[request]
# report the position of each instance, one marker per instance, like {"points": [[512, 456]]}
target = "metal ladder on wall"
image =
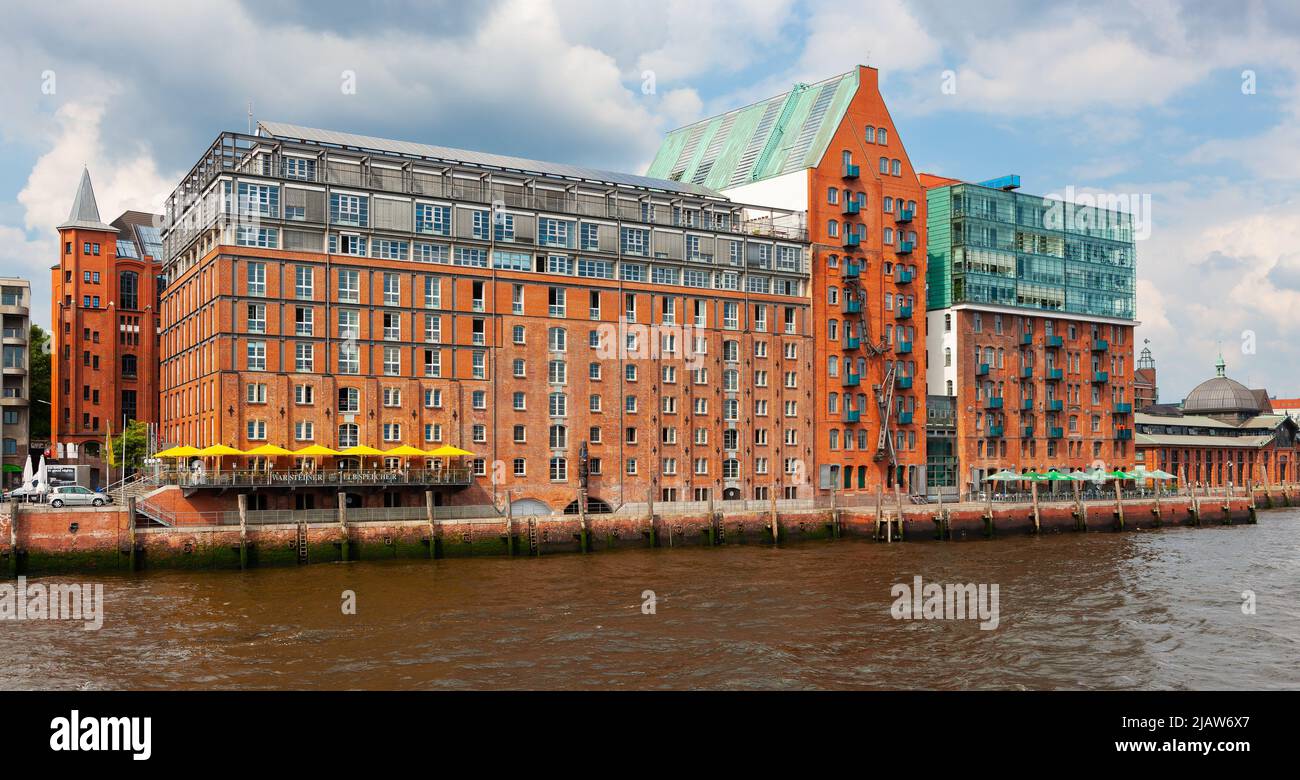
{"points": [[302, 543], [532, 536]]}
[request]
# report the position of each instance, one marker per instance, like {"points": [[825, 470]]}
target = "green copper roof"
{"points": [[779, 135]]}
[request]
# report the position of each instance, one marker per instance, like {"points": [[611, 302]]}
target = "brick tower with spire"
{"points": [[104, 367]]}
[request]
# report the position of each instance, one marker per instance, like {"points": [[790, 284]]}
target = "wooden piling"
{"points": [[343, 523], [1119, 508], [428, 517], [243, 529]]}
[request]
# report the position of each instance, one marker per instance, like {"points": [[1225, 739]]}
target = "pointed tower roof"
{"points": [[85, 212]]}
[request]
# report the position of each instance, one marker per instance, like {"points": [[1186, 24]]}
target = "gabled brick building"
{"points": [[104, 363], [832, 149]]}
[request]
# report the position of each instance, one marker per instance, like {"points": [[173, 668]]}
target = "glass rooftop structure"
{"points": [[999, 247], [776, 136]]}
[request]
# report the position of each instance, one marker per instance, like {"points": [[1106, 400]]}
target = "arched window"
{"points": [[128, 290], [870, 135], [882, 135]]}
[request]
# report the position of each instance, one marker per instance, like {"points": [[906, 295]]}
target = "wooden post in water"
{"points": [[776, 519], [243, 529], [835, 516], [428, 517], [944, 533], [583, 534], [1033, 493], [1119, 508], [650, 513], [343, 522], [898, 500], [879, 507], [130, 535], [13, 537]]}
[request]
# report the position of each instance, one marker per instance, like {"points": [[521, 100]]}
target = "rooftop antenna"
{"points": [[250, 117]]}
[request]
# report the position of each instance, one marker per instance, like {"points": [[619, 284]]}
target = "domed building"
{"points": [[1223, 433], [1223, 398]]}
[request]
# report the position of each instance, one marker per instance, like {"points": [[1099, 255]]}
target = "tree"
{"points": [[38, 348], [136, 436]]}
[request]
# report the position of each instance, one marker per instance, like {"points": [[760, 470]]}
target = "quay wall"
{"points": [[45, 540]]}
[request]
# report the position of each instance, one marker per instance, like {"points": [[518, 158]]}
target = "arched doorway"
{"points": [[528, 507], [595, 506]]}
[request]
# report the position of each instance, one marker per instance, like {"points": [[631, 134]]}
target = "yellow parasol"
{"points": [[315, 451], [269, 451], [181, 451], [219, 451], [448, 451]]}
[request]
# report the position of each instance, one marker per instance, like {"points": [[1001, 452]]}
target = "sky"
{"points": [[1190, 109]]}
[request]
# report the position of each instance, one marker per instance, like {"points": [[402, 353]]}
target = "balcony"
{"points": [[1027, 372], [1055, 405], [993, 402], [1100, 377], [905, 215], [1027, 405], [906, 247], [1027, 432], [853, 307], [1055, 374], [851, 207], [994, 432], [852, 342], [1124, 434], [904, 313], [1026, 339], [850, 270], [982, 369], [1100, 345], [904, 276], [1055, 342], [903, 382], [852, 415], [904, 418], [851, 240], [1123, 408], [852, 380], [903, 347], [1056, 433], [850, 171]]}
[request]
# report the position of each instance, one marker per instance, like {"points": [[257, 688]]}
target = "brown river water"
{"points": [[1147, 610]]}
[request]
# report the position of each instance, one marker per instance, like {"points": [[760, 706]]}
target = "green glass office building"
{"points": [[991, 245]]}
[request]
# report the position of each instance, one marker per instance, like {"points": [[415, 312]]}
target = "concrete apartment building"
{"points": [[832, 150], [1031, 307], [15, 381], [104, 366], [632, 337]]}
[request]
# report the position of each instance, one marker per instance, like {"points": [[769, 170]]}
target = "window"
{"points": [[349, 400], [559, 470], [304, 395], [349, 209], [304, 357], [256, 356], [433, 219], [349, 286], [256, 321], [556, 301], [257, 279], [303, 282], [349, 435]]}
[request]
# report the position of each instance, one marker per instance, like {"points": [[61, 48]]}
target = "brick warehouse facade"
{"points": [[651, 337], [104, 365], [1031, 330], [831, 149]]}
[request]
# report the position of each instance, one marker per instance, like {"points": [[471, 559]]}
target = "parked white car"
{"points": [[76, 495]]}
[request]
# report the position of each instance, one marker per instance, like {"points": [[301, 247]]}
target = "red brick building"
{"points": [[104, 366], [1223, 433], [1030, 309], [832, 149], [574, 329]]}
